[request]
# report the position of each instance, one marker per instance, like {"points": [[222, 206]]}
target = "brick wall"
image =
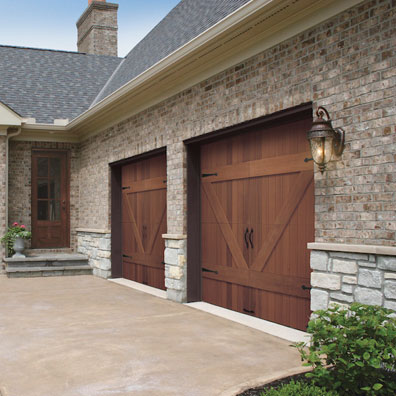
{"points": [[97, 30], [3, 220], [346, 64], [20, 194]]}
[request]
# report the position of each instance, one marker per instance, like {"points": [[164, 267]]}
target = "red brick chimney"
{"points": [[97, 29]]}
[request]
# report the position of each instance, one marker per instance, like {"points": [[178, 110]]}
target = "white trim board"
{"points": [[277, 330], [138, 286]]}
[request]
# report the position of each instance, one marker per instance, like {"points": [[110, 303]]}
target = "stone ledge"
{"points": [[174, 236], [93, 230], [340, 247]]}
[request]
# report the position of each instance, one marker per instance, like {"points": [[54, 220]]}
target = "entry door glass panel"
{"points": [[50, 202]]}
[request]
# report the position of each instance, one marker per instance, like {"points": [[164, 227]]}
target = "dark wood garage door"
{"points": [[144, 221], [257, 215]]}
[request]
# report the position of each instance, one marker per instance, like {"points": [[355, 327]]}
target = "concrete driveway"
{"points": [[71, 336]]}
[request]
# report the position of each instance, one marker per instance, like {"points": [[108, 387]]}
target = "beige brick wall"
{"points": [[3, 220], [97, 30], [20, 164], [346, 64]]}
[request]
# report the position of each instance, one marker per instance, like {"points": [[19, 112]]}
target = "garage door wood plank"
{"points": [[156, 183], [258, 168], [155, 233], [136, 232], [295, 196], [224, 225], [289, 285]]}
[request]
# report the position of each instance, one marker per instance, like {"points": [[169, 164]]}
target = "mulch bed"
{"points": [[286, 380], [274, 384]]}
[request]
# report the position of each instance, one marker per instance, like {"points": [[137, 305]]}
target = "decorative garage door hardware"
{"points": [[125, 255], [308, 159], [248, 311], [209, 270], [250, 236], [208, 174], [306, 287], [126, 188]]}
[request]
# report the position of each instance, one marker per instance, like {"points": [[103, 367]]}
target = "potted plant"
{"points": [[14, 239]]}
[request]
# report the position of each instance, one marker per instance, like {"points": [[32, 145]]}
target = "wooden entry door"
{"points": [[257, 215], [144, 221], [50, 199]]}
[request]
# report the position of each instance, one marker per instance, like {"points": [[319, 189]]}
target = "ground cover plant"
{"points": [[353, 350], [298, 388]]}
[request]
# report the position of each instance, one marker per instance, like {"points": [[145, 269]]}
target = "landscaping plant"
{"points": [[353, 350], [298, 388], [16, 230]]}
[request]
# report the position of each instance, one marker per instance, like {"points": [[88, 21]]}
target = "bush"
{"points": [[298, 388], [353, 350]]}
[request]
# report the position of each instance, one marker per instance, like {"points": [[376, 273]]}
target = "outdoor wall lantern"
{"points": [[325, 141]]}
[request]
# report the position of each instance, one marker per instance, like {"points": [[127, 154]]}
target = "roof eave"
{"points": [[235, 22]]}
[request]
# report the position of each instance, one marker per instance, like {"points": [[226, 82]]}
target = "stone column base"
{"points": [[96, 244], [352, 273], [176, 267]]}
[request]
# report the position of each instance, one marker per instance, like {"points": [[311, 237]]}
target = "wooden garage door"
{"points": [[144, 221], [257, 215]]}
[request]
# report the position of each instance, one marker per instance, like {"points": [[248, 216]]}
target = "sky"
{"points": [[51, 24]]}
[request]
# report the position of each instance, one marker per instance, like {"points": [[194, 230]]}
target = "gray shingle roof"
{"points": [[185, 22], [47, 84]]}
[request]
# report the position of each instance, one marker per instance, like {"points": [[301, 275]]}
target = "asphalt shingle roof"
{"points": [[47, 84], [185, 22]]}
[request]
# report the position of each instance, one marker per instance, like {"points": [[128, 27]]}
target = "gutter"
{"points": [[222, 26]]}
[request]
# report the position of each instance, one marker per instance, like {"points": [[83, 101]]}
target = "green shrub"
{"points": [[298, 388], [353, 351]]}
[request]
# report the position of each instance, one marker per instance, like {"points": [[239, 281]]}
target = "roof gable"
{"points": [[49, 85], [185, 22]]}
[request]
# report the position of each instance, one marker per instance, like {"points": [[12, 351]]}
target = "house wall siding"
{"points": [[97, 32], [3, 197], [20, 175], [346, 64]]}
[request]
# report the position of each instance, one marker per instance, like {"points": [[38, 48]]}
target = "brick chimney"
{"points": [[97, 29]]}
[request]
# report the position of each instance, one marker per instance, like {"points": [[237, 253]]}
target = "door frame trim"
{"points": [[67, 177], [116, 210], [194, 276]]}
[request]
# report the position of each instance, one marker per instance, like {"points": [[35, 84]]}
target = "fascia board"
{"points": [[235, 18]]}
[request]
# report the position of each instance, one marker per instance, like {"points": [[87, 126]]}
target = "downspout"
{"points": [[9, 136]]}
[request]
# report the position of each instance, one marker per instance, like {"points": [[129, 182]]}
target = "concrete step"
{"points": [[47, 260], [30, 272], [37, 252], [47, 264]]}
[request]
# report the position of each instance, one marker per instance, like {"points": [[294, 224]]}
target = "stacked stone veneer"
{"points": [[97, 246], [175, 267], [343, 278]]}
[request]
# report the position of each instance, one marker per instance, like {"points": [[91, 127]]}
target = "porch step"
{"points": [[48, 264]]}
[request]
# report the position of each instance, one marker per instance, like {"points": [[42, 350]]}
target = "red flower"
{"points": [[15, 224], [22, 226]]}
